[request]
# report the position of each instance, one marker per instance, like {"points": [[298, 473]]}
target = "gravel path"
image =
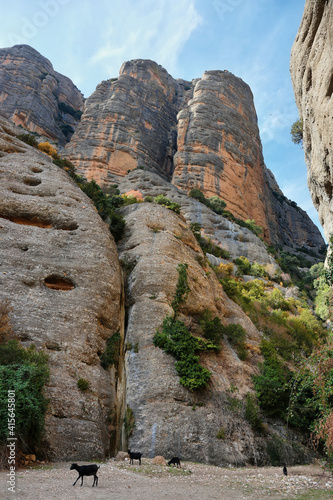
{"points": [[120, 481]]}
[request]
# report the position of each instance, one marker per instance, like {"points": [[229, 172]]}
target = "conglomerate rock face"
{"points": [[61, 276], [169, 419], [129, 121], [238, 241], [218, 146], [35, 96], [202, 134], [312, 75]]}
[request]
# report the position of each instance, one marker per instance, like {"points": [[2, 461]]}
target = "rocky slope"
{"points": [[212, 144], [312, 75], [60, 273], [35, 96], [237, 240], [155, 242], [169, 419]]}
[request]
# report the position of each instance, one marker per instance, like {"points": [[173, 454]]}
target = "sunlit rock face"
{"points": [[61, 276], [219, 149], [36, 97], [129, 121], [312, 75], [201, 134]]}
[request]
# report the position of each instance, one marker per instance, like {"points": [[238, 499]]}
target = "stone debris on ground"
{"points": [[150, 481]]}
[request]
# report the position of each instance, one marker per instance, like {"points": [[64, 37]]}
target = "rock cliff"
{"points": [[60, 273], [202, 134], [312, 76], [170, 420], [35, 96], [129, 121], [237, 240]]}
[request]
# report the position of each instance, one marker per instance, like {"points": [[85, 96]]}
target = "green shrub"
{"points": [[252, 412], [28, 139], [129, 422], [149, 199], [236, 336], [182, 288], [275, 451], [106, 204], [165, 202], [208, 247], [272, 384], [212, 327], [110, 356], [26, 372], [65, 108], [252, 226], [258, 270], [175, 339], [221, 433], [243, 265], [216, 204], [198, 195], [83, 384], [106, 207]]}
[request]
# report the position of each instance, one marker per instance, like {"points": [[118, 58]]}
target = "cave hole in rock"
{"points": [[32, 220], [58, 282], [26, 220], [31, 181]]}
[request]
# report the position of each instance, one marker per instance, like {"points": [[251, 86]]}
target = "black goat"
{"points": [[134, 456], [174, 461], [285, 472], [86, 470]]}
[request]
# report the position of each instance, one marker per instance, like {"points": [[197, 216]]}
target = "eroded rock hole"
{"points": [[27, 221], [36, 170], [31, 220], [31, 181], [58, 282]]}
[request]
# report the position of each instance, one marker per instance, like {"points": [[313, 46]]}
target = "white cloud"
{"points": [[148, 30]]}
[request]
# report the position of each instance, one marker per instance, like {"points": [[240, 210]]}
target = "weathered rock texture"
{"points": [[35, 96], [219, 148], [129, 121], [237, 240], [215, 146], [156, 241], [219, 151], [312, 76], [169, 419], [60, 273]]}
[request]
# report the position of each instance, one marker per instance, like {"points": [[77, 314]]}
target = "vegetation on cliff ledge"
{"points": [[175, 338], [23, 374]]}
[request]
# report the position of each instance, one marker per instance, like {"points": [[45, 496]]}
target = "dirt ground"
{"points": [[122, 481]]}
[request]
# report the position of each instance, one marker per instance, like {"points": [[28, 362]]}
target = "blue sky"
{"points": [[88, 40]]}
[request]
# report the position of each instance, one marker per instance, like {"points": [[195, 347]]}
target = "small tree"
{"points": [[296, 131]]}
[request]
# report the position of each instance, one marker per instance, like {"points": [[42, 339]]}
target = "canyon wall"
{"points": [[61, 276], [312, 76], [201, 134], [128, 122]]}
